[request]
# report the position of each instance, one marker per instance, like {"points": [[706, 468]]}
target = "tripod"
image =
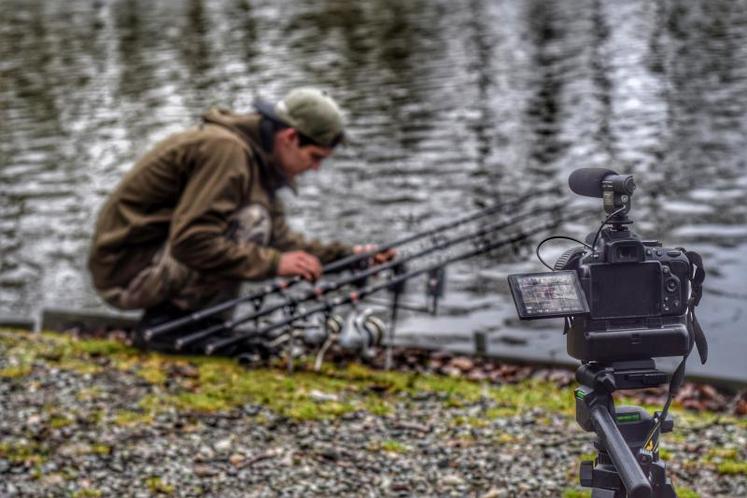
{"points": [[627, 444]]}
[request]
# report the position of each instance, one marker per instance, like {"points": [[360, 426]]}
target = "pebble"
{"points": [[321, 397], [452, 480], [223, 446], [205, 453], [202, 470], [462, 363]]}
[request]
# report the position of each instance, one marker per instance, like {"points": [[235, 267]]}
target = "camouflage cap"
{"points": [[310, 111]]}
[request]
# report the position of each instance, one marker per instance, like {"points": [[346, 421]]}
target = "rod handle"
{"points": [[632, 475]]}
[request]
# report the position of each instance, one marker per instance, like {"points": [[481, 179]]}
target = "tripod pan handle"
{"points": [[627, 467]]}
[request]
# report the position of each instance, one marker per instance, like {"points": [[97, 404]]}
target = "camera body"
{"points": [[637, 293], [624, 299]]}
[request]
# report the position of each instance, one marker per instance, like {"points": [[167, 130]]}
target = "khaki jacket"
{"points": [[183, 193]]}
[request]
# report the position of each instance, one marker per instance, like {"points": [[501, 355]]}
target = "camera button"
{"points": [[658, 252], [673, 254], [671, 285]]}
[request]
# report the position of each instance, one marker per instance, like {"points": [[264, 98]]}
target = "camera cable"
{"points": [[606, 220], [537, 250]]}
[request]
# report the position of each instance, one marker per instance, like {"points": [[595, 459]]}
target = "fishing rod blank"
{"points": [[320, 290], [154, 332], [354, 258], [360, 294]]}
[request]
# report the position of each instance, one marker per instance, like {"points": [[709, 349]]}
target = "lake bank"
{"points": [[96, 418]]}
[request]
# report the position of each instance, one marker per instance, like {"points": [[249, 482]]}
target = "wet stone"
{"points": [[223, 445]]}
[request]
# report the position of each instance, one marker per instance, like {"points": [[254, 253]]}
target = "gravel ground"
{"points": [[78, 424]]}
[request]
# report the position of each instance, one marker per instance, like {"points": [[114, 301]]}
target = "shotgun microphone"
{"points": [[588, 181]]}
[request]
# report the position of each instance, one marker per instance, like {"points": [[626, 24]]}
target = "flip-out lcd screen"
{"points": [[547, 295]]}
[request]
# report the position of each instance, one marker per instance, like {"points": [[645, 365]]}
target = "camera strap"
{"points": [[697, 276]]}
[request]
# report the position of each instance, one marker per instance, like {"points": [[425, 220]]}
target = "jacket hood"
{"points": [[248, 129]]}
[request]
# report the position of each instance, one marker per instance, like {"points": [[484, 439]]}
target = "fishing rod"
{"points": [[281, 285], [356, 296], [325, 288], [354, 258]]}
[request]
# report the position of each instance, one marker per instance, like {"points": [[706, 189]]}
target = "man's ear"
{"points": [[288, 136]]}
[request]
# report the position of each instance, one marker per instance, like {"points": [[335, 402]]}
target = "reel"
{"points": [[322, 328], [362, 332]]}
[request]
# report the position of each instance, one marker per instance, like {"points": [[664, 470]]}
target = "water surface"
{"points": [[449, 105]]}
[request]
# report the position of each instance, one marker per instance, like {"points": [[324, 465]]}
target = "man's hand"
{"points": [[379, 257], [299, 263]]}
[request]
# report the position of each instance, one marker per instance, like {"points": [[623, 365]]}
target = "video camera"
{"points": [[624, 298], [625, 301]]}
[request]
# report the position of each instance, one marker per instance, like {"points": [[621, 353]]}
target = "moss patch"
{"points": [[22, 452], [686, 493], [206, 384], [585, 493], [87, 493], [15, 371], [722, 453], [156, 485], [125, 418], [732, 467], [576, 493], [389, 446]]}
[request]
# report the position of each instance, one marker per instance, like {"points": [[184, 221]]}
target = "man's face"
{"points": [[294, 159]]}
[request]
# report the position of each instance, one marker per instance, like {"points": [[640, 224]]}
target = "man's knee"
{"points": [[157, 283]]}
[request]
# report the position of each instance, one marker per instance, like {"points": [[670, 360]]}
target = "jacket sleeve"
{"points": [[214, 191], [284, 239]]}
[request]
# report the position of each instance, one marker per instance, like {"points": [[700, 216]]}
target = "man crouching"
{"points": [[199, 213]]}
